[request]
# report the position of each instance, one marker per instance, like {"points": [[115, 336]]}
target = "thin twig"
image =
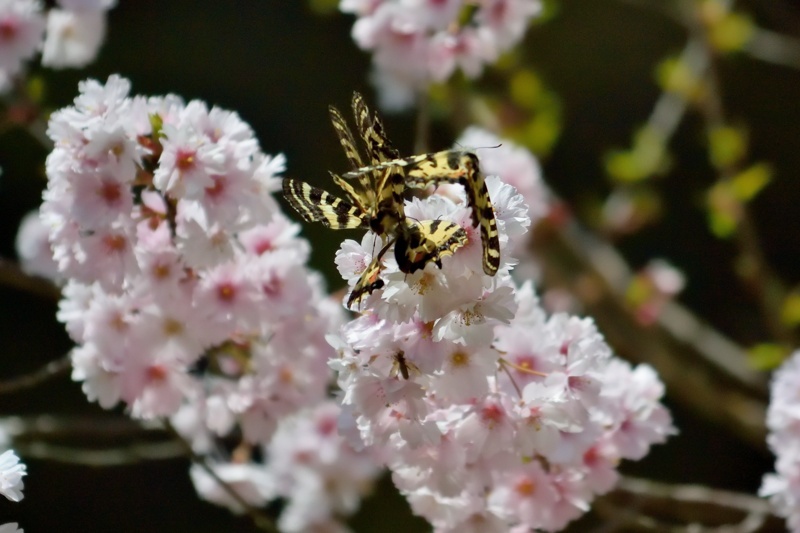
{"points": [[636, 502], [700, 367], [11, 275], [765, 45], [49, 371], [670, 108], [107, 457], [686, 493], [774, 47], [40, 436], [261, 520], [769, 291], [504, 366]]}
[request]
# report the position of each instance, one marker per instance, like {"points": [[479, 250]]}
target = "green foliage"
{"points": [[766, 356], [675, 76], [724, 210], [646, 158], [323, 7], [35, 89], [790, 310], [727, 146], [538, 110], [731, 32], [748, 183]]}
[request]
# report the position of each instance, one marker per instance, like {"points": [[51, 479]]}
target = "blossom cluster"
{"points": [[310, 466], [489, 413], [187, 290], [69, 35], [11, 473], [783, 422], [418, 42]]}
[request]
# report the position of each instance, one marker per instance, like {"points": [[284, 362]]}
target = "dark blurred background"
{"points": [[279, 65]]}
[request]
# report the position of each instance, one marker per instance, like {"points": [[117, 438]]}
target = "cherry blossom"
{"points": [[68, 36], [783, 421], [188, 295], [503, 417], [11, 473], [419, 42]]}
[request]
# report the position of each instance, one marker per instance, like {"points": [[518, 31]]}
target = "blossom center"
{"points": [[226, 292], [110, 192], [162, 271], [156, 373], [263, 246], [218, 188], [327, 426], [114, 243], [172, 327], [185, 159], [492, 413], [525, 487], [459, 359], [286, 376], [8, 29]]}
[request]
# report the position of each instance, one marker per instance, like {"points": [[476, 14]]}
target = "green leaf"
{"points": [[790, 311], [731, 32], [766, 356], [748, 183], [525, 89], [727, 146]]}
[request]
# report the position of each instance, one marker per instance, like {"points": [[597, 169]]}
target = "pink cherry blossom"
{"points": [[418, 42], [783, 421]]}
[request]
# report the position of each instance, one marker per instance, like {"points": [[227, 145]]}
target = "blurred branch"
{"points": [[773, 47], [765, 45], [34, 438], [260, 520], [671, 107], [116, 441], [119, 456], [701, 368], [635, 503], [767, 287], [11, 275], [49, 371]]}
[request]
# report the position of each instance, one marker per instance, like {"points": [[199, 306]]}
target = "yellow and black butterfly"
{"points": [[451, 166], [375, 204]]}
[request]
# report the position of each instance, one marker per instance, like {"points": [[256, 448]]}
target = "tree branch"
{"points": [[49, 371], [759, 276], [647, 505], [261, 520], [11, 275], [701, 368]]}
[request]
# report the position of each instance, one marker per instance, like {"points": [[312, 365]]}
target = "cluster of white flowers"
{"points": [[187, 292], [309, 465], [11, 473], [188, 297], [68, 35], [490, 414], [783, 422], [417, 42], [11, 484]]}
